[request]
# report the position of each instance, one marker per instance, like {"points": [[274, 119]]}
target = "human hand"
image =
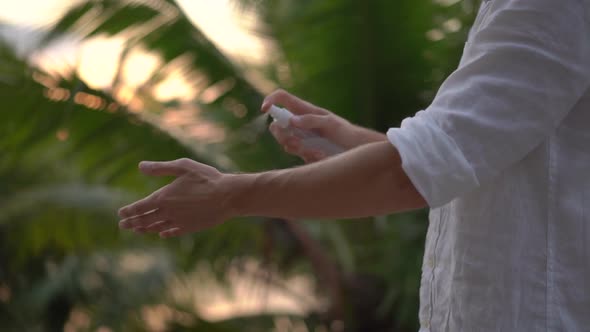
{"points": [[197, 199], [310, 118]]}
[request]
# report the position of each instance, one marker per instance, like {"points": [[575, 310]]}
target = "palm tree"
{"points": [[72, 162]]}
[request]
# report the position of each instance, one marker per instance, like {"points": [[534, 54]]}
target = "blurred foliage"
{"points": [[369, 61], [70, 154], [65, 170]]}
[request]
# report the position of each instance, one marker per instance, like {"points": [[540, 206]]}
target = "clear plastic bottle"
{"points": [[309, 139]]}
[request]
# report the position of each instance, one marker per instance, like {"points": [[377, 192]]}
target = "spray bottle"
{"points": [[309, 139]]}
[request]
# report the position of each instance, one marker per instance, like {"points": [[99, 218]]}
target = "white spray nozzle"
{"points": [[280, 115]]}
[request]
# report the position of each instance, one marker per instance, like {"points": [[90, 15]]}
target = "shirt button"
{"points": [[425, 325]]}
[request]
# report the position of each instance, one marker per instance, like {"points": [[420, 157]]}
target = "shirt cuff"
{"points": [[432, 160]]}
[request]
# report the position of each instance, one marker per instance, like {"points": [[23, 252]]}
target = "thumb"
{"points": [[311, 121], [162, 168]]}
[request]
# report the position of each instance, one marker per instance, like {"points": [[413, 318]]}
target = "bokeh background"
{"points": [[89, 88]]}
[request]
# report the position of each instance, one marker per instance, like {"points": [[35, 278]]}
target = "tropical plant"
{"points": [[69, 160]]}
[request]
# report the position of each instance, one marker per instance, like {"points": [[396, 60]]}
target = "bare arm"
{"points": [[365, 181]]}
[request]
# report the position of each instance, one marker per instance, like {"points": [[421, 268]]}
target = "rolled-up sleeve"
{"points": [[522, 72]]}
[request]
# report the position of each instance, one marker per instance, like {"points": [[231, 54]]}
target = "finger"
{"points": [[294, 104], [285, 138], [292, 151], [165, 168], [310, 159], [292, 143], [138, 208], [307, 159], [311, 121], [159, 226], [273, 128], [279, 133], [143, 220], [293, 146], [317, 154], [313, 156], [172, 232]]}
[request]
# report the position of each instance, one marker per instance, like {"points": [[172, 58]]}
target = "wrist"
{"points": [[238, 188]]}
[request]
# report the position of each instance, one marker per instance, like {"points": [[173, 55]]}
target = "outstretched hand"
{"points": [[197, 199]]}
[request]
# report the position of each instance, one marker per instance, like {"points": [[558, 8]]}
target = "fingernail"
{"points": [[263, 107]]}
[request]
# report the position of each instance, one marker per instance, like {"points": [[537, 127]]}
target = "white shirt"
{"points": [[502, 156]]}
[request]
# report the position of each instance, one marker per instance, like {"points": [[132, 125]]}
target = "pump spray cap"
{"points": [[280, 115]]}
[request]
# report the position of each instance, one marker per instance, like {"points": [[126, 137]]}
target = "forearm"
{"points": [[365, 181]]}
